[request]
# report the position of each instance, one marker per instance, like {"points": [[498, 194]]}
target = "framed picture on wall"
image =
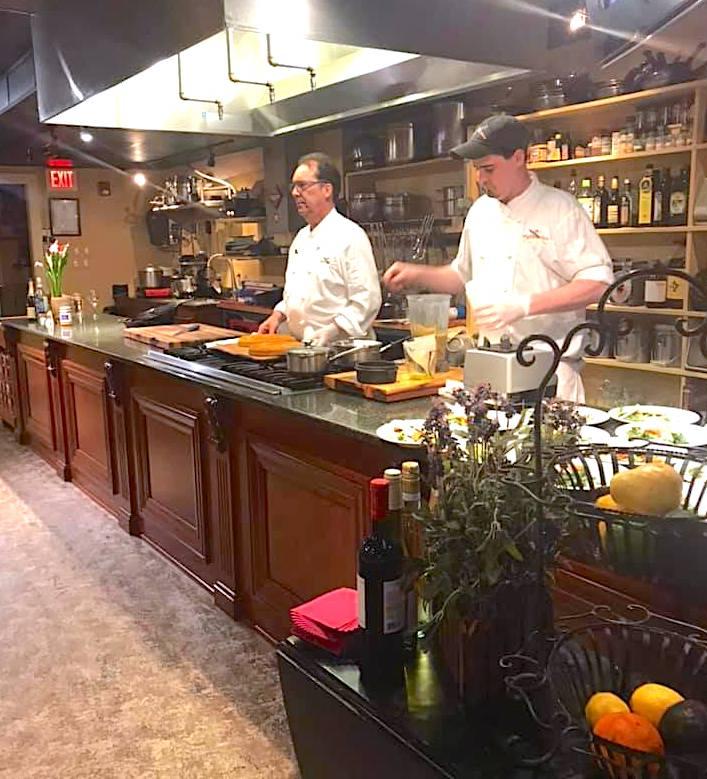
{"points": [[64, 216]]}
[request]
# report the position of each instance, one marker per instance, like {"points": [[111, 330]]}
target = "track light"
{"points": [[86, 136], [578, 20], [140, 179]]}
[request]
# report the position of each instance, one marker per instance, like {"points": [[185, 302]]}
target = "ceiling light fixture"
{"points": [[140, 179], [86, 136], [578, 20]]}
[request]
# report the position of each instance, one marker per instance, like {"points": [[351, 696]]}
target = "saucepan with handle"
{"points": [[312, 360]]}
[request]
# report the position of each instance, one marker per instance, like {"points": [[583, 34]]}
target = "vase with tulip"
{"points": [[56, 259]]}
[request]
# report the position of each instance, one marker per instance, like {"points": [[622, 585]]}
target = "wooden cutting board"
{"points": [[405, 388], [242, 351], [169, 336]]}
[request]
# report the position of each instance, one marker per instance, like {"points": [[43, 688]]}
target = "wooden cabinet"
{"points": [[303, 513], [40, 403], [183, 478], [8, 388]]}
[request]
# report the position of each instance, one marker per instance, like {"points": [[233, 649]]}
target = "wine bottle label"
{"points": [[625, 215], [393, 606], [645, 200], [621, 294], [678, 204], [411, 497], [361, 590], [612, 215], [676, 289]]}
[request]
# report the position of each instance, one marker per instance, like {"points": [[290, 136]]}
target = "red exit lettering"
{"points": [[62, 179]]}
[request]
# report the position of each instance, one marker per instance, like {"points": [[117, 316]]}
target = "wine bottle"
{"points": [[600, 203], [41, 303], [413, 549], [678, 198], [656, 290], [585, 198], [627, 208], [657, 217], [381, 605], [31, 310], [613, 206], [394, 478]]}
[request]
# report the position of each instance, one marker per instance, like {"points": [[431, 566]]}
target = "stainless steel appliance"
{"points": [[400, 143], [502, 371], [226, 371], [448, 124]]}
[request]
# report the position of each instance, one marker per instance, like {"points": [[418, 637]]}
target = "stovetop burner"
{"points": [[274, 374]]}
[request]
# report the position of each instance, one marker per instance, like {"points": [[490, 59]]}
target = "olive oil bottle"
{"points": [[645, 198]]}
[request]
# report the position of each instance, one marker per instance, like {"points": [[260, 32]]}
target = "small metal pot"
{"points": [[150, 277], [358, 349], [308, 360], [376, 372]]}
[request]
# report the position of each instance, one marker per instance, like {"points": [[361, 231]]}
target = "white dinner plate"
{"points": [[593, 435], [669, 435], [654, 414], [403, 432], [593, 416]]}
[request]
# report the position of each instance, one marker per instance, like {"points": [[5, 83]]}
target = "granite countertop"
{"points": [[350, 414]]}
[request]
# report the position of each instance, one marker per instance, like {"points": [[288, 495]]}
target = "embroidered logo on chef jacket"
{"points": [[536, 234]]}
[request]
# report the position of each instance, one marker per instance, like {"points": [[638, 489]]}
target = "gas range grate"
{"points": [[274, 373]]}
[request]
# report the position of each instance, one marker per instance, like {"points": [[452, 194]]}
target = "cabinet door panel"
{"points": [[88, 438], [306, 519], [171, 497], [36, 396]]}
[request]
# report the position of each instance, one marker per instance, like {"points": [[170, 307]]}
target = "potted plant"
{"points": [[489, 534], [56, 259]]}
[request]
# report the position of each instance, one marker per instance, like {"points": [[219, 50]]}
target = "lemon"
{"points": [[602, 703], [653, 700]]}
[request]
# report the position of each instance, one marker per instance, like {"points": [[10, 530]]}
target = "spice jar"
{"points": [[65, 315]]}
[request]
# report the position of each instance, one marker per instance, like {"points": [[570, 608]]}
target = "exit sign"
{"points": [[61, 178]]}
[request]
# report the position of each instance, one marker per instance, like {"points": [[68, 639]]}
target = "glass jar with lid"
{"points": [[632, 346], [666, 346]]}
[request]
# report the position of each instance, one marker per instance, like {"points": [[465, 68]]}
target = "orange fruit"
{"points": [[607, 503], [653, 700], [630, 730], [602, 703]]}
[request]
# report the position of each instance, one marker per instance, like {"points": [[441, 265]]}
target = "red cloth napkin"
{"points": [[327, 621]]}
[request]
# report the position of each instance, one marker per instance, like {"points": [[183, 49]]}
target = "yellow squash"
{"points": [[653, 488]]}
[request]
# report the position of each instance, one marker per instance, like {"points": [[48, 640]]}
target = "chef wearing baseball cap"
{"points": [[529, 256]]}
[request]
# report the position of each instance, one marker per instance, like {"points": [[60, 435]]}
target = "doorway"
{"points": [[15, 264]]}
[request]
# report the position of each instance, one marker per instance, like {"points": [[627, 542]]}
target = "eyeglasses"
{"points": [[303, 186]]}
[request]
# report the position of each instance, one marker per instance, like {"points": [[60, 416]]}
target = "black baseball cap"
{"points": [[499, 134]]}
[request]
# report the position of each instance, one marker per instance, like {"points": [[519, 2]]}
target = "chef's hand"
{"points": [[401, 275], [271, 324], [499, 315], [326, 335]]}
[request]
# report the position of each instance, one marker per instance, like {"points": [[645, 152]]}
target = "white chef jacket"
{"points": [[540, 240], [331, 276]]}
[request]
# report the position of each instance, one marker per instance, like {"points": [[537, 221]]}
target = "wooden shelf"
{"points": [[643, 230], [411, 167], [610, 102], [647, 367], [636, 155], [610, 308], [701, 146]]}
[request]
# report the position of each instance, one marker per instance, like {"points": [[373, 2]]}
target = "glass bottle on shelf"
{"points": [[657, 218], [613, 206], [585, 197], [676, 288], [679, 198], [645, 198], [31, 311], [666, 188], [627, 206], [572, 186], [600, 203]]}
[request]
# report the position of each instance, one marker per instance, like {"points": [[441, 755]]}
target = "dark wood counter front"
{"points": [[263, 500]]}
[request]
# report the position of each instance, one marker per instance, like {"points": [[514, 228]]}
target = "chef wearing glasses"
{"points": [[331, 283]]}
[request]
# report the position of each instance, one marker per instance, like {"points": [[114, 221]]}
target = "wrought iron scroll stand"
{"points": [[520, 683]]}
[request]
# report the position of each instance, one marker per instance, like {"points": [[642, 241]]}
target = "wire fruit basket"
{"points": [[663, 550], [619, 658]]}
